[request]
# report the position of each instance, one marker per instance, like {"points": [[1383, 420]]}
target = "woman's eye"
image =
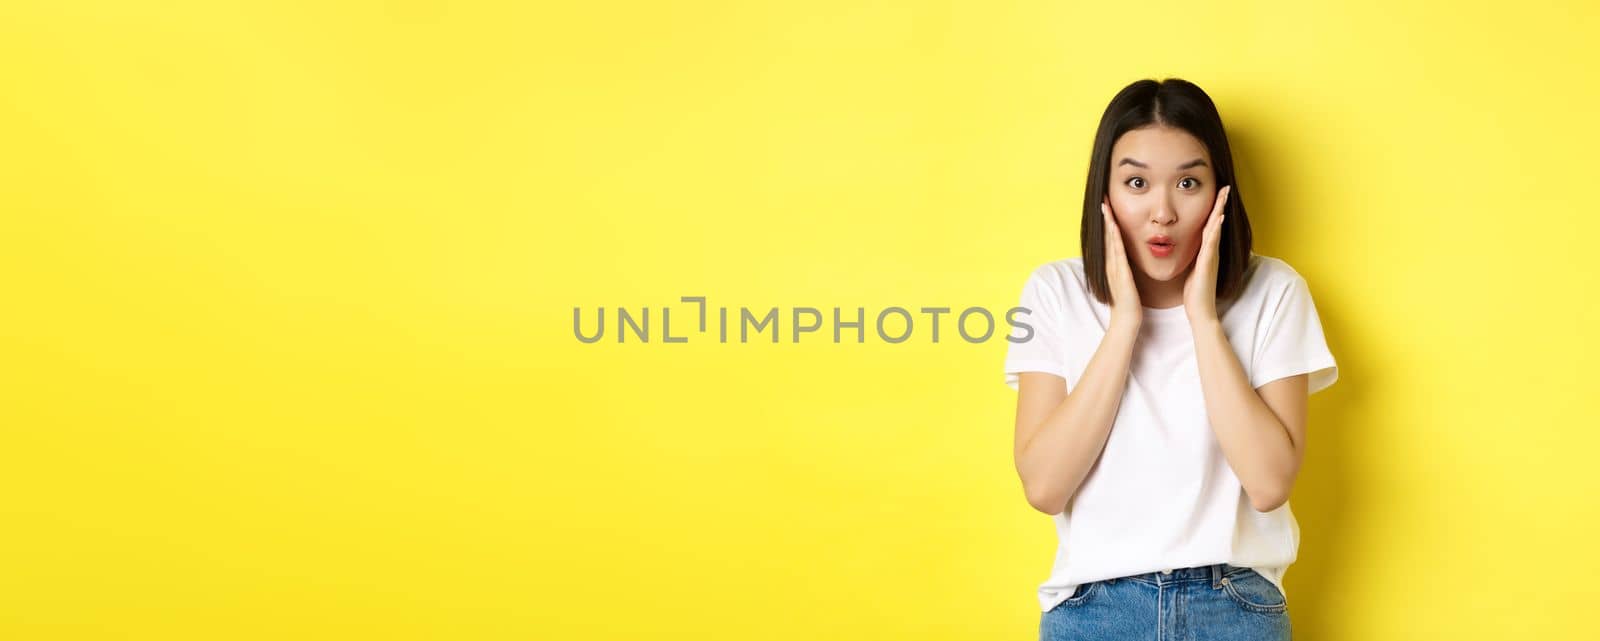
{"points": [[1140, 182], [1196, 182]]}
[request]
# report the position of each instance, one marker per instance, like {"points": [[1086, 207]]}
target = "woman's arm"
{"points": [[1262, 435], [1059, 435]]}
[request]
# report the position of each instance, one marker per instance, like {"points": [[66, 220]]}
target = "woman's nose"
{"points": [[1164, 213]]}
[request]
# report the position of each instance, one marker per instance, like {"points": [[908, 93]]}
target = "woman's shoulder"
{"points": [[1269, 278], [1063, 276]]}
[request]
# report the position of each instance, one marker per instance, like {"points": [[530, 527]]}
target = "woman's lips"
{"points": [[1160, 246]]}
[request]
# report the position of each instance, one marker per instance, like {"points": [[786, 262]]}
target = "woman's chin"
{"points": [[1166, 273]]}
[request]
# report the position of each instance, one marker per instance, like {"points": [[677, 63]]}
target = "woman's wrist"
{"points": [[1202, 321], [1125, 326]]}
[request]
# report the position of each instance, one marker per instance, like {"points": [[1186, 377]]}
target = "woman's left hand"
{"points": [[1200, 288]]}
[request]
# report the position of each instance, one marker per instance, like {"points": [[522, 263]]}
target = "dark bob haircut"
{"points": [[1181, 105]]}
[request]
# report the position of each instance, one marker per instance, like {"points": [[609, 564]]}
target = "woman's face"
{"points": [[1162, 184]]}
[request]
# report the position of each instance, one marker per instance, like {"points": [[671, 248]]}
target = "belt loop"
{"points": [[1216, 575]]}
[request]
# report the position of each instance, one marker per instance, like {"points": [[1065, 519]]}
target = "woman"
{"points": [[1162, 386]]}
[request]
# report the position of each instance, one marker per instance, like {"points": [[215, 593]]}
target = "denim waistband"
{"points": [[1213, 573]]}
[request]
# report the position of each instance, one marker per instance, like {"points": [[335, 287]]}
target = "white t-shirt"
{"points": [[1162, 496]]}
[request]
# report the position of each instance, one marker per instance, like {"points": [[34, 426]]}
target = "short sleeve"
{"points": [[1294, 343], [1036, 341]]}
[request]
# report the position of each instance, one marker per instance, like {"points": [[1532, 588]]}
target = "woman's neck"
{"points": [[1157, 294]]}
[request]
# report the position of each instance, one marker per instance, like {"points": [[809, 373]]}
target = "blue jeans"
{"points": [[1219, 602]]}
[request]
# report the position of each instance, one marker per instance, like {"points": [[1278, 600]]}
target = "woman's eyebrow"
{"points": [[1198, 162]]}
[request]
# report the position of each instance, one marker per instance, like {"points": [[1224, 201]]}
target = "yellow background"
{"points": [[288, 291]]}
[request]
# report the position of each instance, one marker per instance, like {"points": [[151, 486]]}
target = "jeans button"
{"points": [[1166, 571]]}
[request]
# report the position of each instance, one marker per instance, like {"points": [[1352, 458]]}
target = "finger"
{"points": [[1216, 213], [1113, 238], [1107, 226]]}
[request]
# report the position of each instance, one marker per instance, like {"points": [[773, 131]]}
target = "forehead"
{"points": [[1160, 147]]}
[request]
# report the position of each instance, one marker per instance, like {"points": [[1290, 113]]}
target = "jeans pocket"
{"points": [[1254, 592], [1081, 594]]}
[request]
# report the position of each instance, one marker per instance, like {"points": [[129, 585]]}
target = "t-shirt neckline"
{"points": [[1168, 314]]}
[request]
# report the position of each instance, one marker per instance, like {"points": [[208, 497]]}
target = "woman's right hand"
{"points": [[1125, 305]]}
